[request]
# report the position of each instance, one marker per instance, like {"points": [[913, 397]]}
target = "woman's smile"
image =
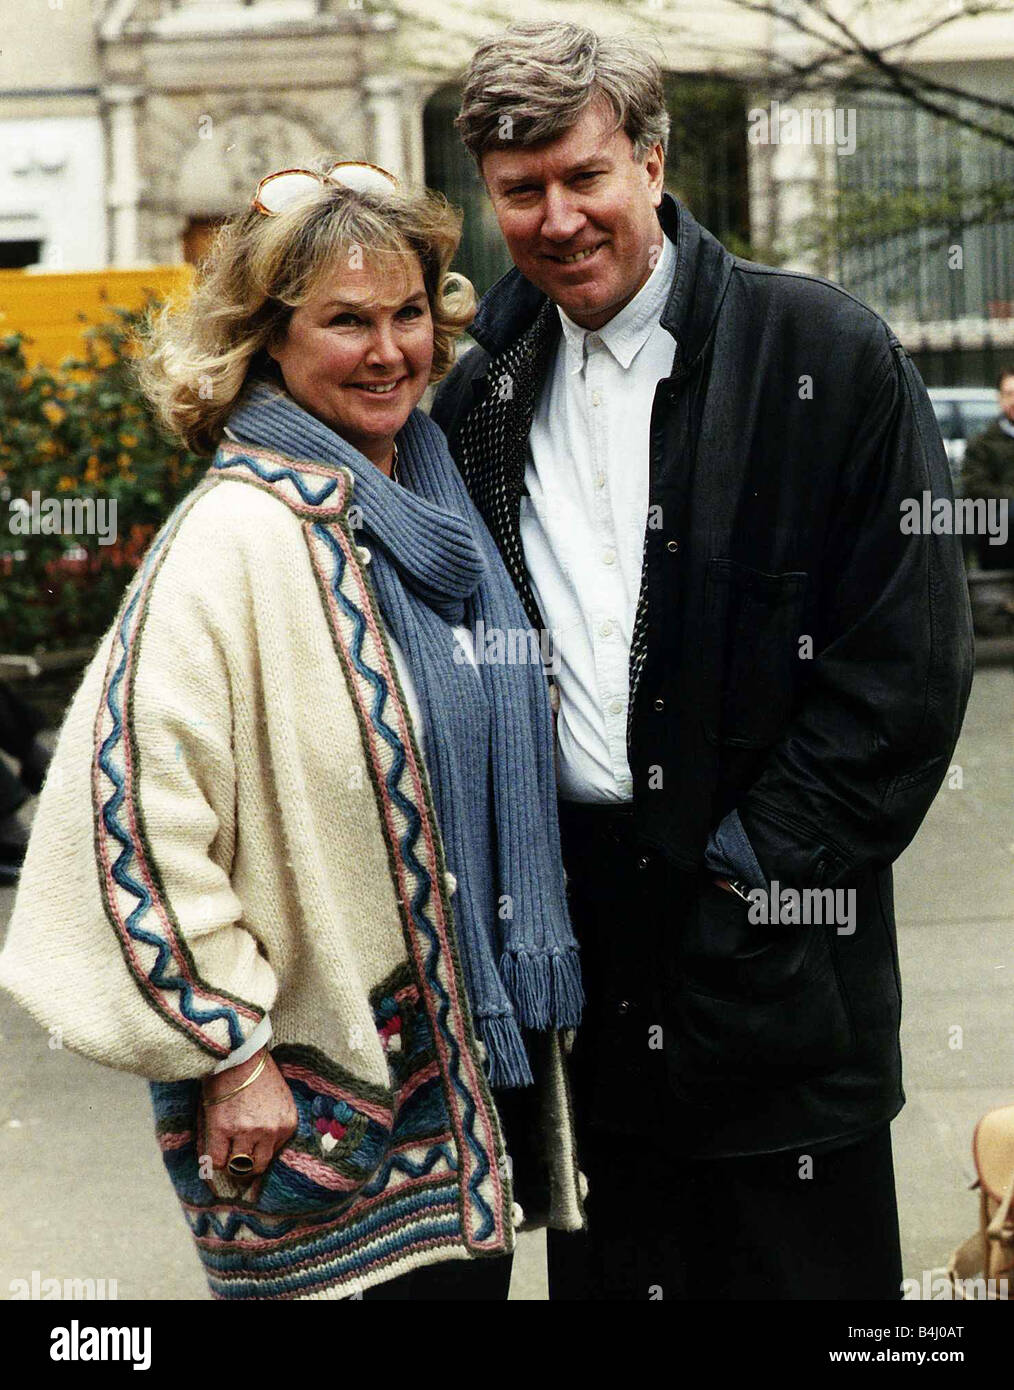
{"points": [[378, 388]]}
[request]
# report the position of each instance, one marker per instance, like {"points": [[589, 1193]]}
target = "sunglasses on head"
{"points": [[279, 190]]}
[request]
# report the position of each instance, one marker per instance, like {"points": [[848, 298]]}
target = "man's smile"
{"points": [[575, 257]]}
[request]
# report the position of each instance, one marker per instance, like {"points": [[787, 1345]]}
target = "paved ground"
{"points": [[83, 1193]]}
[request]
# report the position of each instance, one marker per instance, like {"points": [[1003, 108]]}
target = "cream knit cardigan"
{"points": [[237, 819]]}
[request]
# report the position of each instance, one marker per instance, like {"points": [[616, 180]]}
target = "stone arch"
{"points": [[231, 151]]}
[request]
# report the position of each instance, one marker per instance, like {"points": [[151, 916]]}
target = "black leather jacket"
{"points": [[797, 658]]}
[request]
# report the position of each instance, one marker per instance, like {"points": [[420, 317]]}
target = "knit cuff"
{"points": [[260, 1037]]}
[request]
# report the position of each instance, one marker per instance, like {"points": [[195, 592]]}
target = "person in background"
{"points": [[988, 472]]}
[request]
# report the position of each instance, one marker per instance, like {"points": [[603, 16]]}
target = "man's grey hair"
{"points": [[532, 83]]}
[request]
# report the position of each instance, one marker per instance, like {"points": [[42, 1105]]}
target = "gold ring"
{"points": [[240, 1164]]}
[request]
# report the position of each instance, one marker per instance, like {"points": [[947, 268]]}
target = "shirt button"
{"points": [[660, 705], [606, 630], [596, 398], [615, 706], [600, 480], [608, 557], [673, 546]]}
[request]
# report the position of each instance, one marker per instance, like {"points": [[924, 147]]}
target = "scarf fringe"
{"points": [[544, 987], [507, 1062]]}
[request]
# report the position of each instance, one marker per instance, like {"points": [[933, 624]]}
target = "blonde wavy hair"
{"points": [[193, 353]]}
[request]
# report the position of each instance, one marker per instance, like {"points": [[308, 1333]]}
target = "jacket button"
{"points": [[623, 1007], [672, 546], [450, 883], [644, 862], [660, 705], [364, 555]]}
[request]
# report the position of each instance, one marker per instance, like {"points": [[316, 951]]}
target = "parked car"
{"points": [[962, 412]]}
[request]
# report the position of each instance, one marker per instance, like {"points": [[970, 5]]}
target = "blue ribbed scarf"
{"points": [[489, 745]]}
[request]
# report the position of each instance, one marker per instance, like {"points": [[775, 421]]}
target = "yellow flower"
{"points": [[93, 473], [123, 461], [66, 484], [46, 390], [54, 413], [47, 447], [129, 441]]}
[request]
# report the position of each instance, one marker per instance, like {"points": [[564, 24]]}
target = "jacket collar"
{"points": [[699, 283]]}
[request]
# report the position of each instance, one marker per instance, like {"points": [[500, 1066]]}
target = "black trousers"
{"points": [[785, 1225]]}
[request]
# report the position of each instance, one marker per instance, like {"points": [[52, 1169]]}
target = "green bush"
{"points": [[81, 431]]}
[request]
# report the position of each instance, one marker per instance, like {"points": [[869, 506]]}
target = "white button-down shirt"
{"points": [[583, 524]]}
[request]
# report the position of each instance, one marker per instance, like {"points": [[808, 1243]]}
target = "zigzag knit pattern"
{"points": [[136, 905]]}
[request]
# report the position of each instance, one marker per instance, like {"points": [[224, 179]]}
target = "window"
{"points": [[451, 170], [706, 165], [924, 225], [197, 238], [15, 255]]}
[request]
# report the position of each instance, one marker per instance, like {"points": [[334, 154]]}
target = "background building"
{"points": [[130, 128]]}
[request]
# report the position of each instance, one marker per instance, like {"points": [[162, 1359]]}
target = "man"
{"points": [[694, 468], [988, 471]]}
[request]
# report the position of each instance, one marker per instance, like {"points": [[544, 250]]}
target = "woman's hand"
{"points": [[257, 1121]]}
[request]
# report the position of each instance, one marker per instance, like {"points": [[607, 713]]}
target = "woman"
{"points": [[242, 843]]}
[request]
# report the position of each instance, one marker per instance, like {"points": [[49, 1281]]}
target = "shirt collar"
{"points": [[627, 332]]}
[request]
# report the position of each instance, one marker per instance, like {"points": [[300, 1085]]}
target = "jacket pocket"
{"points": [[343, 1134], [750, 655], [753, 1000], [344, 1128]]}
